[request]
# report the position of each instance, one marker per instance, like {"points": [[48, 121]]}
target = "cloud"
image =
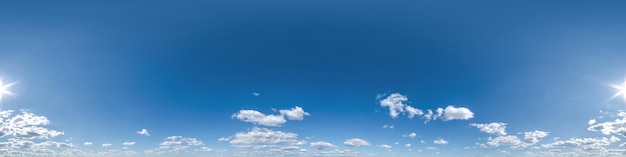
{"points": [[296, 113], [128, 143], [616, 127], [591, 122], [440, 142], [413, 111], [395, 104], [454, 113], [256, 93], [107, 145], [322, 145], [25, 125], [411, 135], [586, 144], [388, 126], [497, 128], [408, 145], [176, 145], [531, 138], [258, 138], [88, 144], [356, 142], [256, 117], [384, 146], [143, 132], [501, 140], [260, 118], [224, 139]]}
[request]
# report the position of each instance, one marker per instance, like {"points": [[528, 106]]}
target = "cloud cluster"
{"points": [[356, 142], [256, 117], [440, 142], [322, 145], [616, 127], [396, 104], [497, 128], [259, 138], [26, 135], [178, 144]]}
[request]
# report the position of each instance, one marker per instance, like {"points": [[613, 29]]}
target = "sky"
{"points": [[313, 78]]}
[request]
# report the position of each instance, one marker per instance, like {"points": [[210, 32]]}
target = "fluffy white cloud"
{"points": [[586, 144], [178, 144], [497, 128], [591, 122], [408, 145], [256, 117], [260, 118], [440, 141], [501, 140], [25, 125], [296, 113], [107, 145], [531, 138], [454, 113], [413, 111], [128, 143], [617, 127], [143, 132], [258, 138], [322, 145], [384, 146], [88, 144], [395, 104], [356, 142], [411, 135]]}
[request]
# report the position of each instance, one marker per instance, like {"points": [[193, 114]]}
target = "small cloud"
{"points": [[322, 145], [88, 144], [388, 126], [296, 113], [128, 143], [492, 128], [224, 139], [411, 135], [407, 145], [440, 142], [591, 122], [256, 93], [384, 146], [356, 142], [143, 132], [107, 145]]}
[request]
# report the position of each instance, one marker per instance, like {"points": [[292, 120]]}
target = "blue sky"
{"points": [[312, 78]]}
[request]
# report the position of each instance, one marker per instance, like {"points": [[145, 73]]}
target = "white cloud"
{"points": [[530, 138], [384, 146], [454, 113], [322, 145], [256, 93], [408, 145], [177, 144], [440, 141], [617, 127], [413, 111], [497, 128], [296, 113], [224, 139], [143, 132], [431, 148], [591, 122], [395, 104], [25, 125], [356, 142], [614, 139], [501, 140], [260, 118], [388, 126], [586, 144], [128, 143], [88, 144], [411, 135], [258, 138], [428, 116], [107, 145]]}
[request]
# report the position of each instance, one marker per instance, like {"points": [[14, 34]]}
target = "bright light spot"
{"points": [[621, 90], [4, 89]]}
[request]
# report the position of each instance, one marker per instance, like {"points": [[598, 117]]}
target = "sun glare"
{"points": [[4, 89], [621, 90]]}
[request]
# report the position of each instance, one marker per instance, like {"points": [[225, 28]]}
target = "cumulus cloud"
{"points": [[88, 144], [143, 132], [408, 145], [258, 138], [256, 117], [356, 142], [457, 113], [586, 144], [176, 145], [128, 143], [322, 145], [591, 122], [256, 93], [384, 146], [413, 111], [501, 140], [395, 103], [25, 125], [107, 145], [531, 138], [296, 113], [440, 141], [497, 128], [411, 135], [616, 127]]}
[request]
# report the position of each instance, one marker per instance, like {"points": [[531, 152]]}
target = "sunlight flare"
{"points": [[621, 90], [4, 89]]}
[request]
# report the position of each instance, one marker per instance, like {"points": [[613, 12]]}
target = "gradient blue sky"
{"points": [[101, 71]]}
